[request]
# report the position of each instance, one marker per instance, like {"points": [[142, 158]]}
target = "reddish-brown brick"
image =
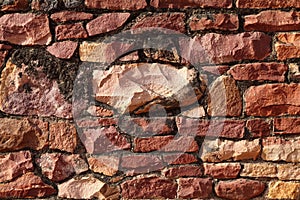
{"points": [[182, 171], [191, 3], [66, 16], [191, 188], [258, 127], [267, 4], [70, 31], [116, 4], [223, 170], [287, 125], [288, 46]]}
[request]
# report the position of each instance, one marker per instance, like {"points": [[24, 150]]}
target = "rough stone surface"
{"points": [[217, 48], [216, 70], [287, 125], [259, 72], [24, 133], [64, 50], [179, 159], [117, 88], [116, 4], [66, 16], [222, 170], [241, 189], [25, 29], [221, 150], [182, 171], [57, 167], [173, 21], [267, 4], [70, 31], [283, 190], [190, 4], [44, 5], [280, 149], [190, 188], [288, 171], [214, 21], [14, 5], [87, 187], [107, 165], [224, 98], [213, 128], [273, 20], [13, 165], [31, 94], [149, 187], [288, 46], [258, 128], [273, 100], [109, 22], [294, 73], [104, 140], [259, 170], [196, 112], [26, 186], [63, 136], [166, 143]]}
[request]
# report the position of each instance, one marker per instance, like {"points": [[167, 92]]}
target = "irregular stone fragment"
{"points": [[25, 92], [106, 23], [240, 189], [259, 72], [287, 126], [182, 171], [107, 165], [64, 50], [179, 159], [13, 165], [222, 170], [116, 4], [70, 31], [99, 111], [268, 4], [143, 87], [288, 171], [224, 98], [258, 127], [25, 29], [214, 21], [149, 187], [72, 3], [173, 21], [194, 188], [216, 70], [24, 133], [280, 149], [196, 112], [44, 5], [26, 186], [288, 46], [65, 16], [191, 4], [283, 190], [14, 5], [259, 170], [57, 167], [294, 72], [221, 150], [63, 136], [87, 187], [273, 100]]}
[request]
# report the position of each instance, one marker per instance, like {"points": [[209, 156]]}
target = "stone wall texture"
{"points": [[215, 116]]}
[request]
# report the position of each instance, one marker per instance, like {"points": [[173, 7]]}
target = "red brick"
{"points": [[288, 46], [258, 128], [273, 100], [66, 16], [149, 188], [191, 188], [267, 4], [287, 126], [259, 72], [182, 171], [227, 22], [223, 170], [179, 159], [116, 4], [191, 4], [273, 20], [64, 50], [70, 31], [173, 21], [239, 189]]}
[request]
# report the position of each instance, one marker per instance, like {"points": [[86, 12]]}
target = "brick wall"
{"points": [[204, 105]]}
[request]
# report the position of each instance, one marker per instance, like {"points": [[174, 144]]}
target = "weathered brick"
{"points": [[287, 126], [179, 159], [258, 128], [259, 170], [64, 50], [191, 4], [273, 100], [116, 4], [259, 72], [239, 189], [70, 31], [191, 188], [173, 21], [288, 171], [280, 149], [182, 171], [107, 165], [222, 170], [273, 20], [267, 4], [214, 22], [283, 190], [106, 23], [65, 16], [288, 46], [221, 150], [149, 187]]}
